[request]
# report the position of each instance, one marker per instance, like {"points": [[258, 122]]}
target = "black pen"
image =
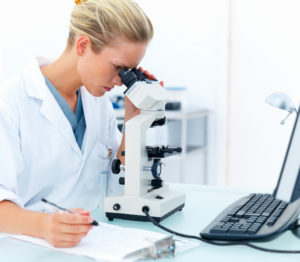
{"points": [[58, 208]]}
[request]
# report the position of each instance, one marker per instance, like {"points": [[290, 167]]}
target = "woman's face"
{"points": [[99, 72]]}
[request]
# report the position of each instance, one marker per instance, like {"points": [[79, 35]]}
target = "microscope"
{"points": [[144, 187]]}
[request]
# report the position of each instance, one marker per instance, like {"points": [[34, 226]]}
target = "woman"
{"points": [[58, 132]]}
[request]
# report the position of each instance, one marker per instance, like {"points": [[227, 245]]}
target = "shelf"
{"points": [[190, 149], [187, 113], [187, 129]]}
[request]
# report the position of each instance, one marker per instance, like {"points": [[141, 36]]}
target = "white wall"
{"points": [[189, 49], [265, 58], [1, 60], [32, 28]]}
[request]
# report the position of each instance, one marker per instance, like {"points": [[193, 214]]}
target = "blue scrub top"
{"points": [[77, 119]]}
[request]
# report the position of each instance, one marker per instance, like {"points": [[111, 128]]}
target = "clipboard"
{"points": [[161, 248], [114, 243]]}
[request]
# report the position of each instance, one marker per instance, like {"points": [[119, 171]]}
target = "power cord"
{"points": [[218, 243]]}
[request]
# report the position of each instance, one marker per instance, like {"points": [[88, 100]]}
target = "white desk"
{"points": [[203, 204]]}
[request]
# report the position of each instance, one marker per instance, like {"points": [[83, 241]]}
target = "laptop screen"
{"points": [[288, 186]]}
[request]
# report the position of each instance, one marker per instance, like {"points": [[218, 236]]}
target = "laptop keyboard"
{"points": [[252, 217]]}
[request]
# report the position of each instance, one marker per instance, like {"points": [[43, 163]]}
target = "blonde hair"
{"points": [[104, 20]]}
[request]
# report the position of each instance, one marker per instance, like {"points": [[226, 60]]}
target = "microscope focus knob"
{"points": [[116, 166], [157, 183], [156, 168], [122, 180], [116, 207]]}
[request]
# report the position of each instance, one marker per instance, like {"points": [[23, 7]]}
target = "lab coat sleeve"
{"points": [[115, 140], [10, 158]]}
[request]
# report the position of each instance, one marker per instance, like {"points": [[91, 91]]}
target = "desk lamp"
{"points": [[281, 101]]}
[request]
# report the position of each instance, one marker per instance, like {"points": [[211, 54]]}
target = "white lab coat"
{"points": [[39, 156]]}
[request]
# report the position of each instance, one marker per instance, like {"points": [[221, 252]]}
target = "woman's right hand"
{"points": [[65, 229]]}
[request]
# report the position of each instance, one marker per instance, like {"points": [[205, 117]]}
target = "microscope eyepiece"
{"points": [[139, 74], [144, 93], [128, 77]]}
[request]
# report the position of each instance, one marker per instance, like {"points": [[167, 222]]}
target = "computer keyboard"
{"points": [[253, 217]]}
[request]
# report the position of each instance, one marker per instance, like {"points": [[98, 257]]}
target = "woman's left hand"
{"points": [[130, 109]]}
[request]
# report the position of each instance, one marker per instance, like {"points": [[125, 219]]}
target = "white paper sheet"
{"points": [[106, 242]]}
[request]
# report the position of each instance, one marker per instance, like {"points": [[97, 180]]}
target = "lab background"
{"points": [[229, 55]]}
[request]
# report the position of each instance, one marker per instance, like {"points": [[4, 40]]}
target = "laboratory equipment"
{"points": [[144, 187]]}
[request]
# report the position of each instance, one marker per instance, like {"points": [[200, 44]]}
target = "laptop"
{"points": [[288, 185], [264, 216]]}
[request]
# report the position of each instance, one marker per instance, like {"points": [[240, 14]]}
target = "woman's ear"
{"points": [[82, 43]]}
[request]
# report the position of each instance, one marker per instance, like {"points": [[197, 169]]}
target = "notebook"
{"points": [[113, 243]]}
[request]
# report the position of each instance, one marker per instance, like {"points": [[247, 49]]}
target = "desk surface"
{"points": [[202, 205]]}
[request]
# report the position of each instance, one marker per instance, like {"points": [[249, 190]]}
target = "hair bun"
{"points": [[79, 2]]}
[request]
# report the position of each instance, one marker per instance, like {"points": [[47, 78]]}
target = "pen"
{"points": [[94, 223]]}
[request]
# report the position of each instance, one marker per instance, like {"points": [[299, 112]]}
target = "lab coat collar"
{"points": [[34, 79], [92, 119], [37, 88]]}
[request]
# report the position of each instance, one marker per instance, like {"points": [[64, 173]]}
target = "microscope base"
{"points": [[161, 202], [111, 216]]}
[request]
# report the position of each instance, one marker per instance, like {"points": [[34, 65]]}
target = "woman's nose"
{"points": [[117, 81]]}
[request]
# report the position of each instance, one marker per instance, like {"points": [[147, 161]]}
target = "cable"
{"points": [[217, 243]]}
